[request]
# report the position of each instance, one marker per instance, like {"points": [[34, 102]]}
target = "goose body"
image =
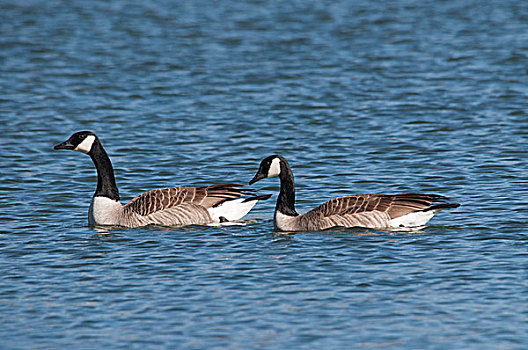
{"points": [[361, 210], [174, 206]]}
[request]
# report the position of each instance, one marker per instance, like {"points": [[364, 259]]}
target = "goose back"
{"points": [[177, 206], [366, 210]]}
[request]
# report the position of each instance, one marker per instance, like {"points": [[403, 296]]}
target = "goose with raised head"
{"points": [[361, 210], [174, 206]]}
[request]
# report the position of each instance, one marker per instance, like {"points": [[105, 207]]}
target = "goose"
{"points": [[405, 210], [174, 206]]}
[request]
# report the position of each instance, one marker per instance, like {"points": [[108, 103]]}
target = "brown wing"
{"points": [[167, 198], [394, 205]]}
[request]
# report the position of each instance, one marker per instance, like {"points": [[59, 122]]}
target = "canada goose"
{"points": [[362, 210], [175, 206]]}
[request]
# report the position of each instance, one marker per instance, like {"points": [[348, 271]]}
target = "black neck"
{"points": [[106, 185], [286, 199]]}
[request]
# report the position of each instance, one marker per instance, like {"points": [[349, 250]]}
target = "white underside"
{"points": [[104, 211], [231, 210], [415, 219], [229, 223]]}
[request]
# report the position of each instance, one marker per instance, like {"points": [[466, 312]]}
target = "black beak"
{"points": [[258, 176], [65, 145]]}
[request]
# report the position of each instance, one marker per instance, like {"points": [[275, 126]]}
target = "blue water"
{"points": [[359, 96]]}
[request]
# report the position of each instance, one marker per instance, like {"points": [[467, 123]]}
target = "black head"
{"points": [[81, 141], [269, 167]]}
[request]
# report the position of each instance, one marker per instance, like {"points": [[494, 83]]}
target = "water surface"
{"points": [[387, 96]]}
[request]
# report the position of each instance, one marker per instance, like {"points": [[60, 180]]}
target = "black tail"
{"points": [[261, 197], [443, 206]]}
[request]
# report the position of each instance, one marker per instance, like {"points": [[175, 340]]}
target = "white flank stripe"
{"points": [[231, 210], [418, 218]]}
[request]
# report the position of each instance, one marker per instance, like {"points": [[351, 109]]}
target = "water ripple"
{"points": [[359, 96]]}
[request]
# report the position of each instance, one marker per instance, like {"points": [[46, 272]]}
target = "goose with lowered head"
{"points": [[361, 210]]}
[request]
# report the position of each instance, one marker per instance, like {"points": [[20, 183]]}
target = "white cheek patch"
{"points": [[274, 169], [86, 145]]}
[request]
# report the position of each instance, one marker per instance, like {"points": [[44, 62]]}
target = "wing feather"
{"points": [[393, 205], [167, 198], [367, 210]]}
